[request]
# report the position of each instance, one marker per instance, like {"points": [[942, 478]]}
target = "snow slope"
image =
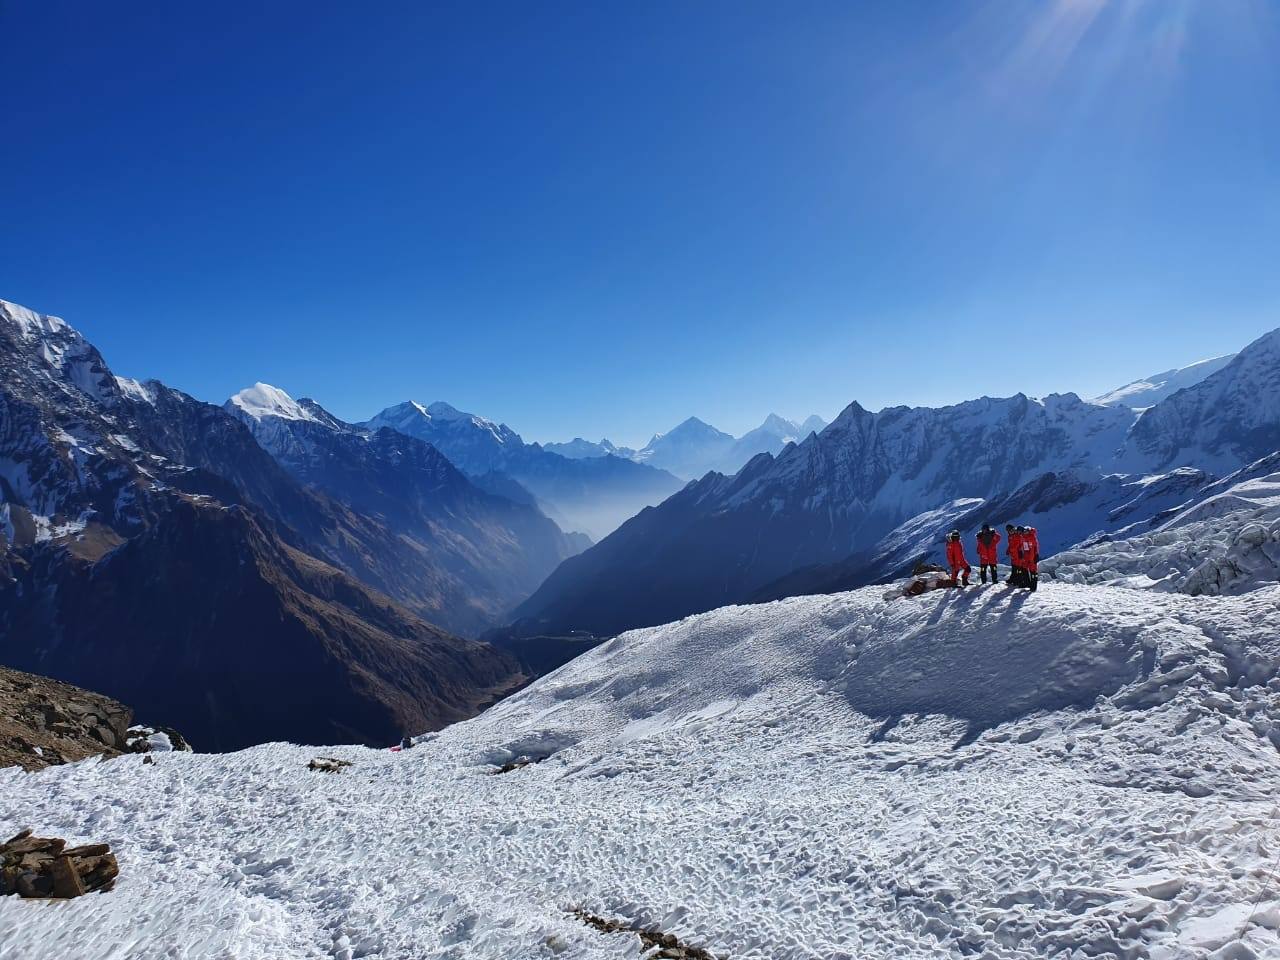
{"points": [[263, 400], [1226, 543], [1083, 772], [1149, 391]]}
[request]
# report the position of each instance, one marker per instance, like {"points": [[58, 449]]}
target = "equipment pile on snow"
{"points": [[924, 577], [47, 867]]}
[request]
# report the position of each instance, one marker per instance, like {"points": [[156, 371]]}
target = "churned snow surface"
{"points": [[1080, 772], [1225, 543]]}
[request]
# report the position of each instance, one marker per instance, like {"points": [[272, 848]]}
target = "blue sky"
{"points": [[589, 219]]}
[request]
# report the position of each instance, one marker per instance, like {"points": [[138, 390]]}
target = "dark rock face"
{"points": [[44, 722], [150, 548]]}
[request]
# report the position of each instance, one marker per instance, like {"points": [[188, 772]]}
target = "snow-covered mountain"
{"points": [[593, 495], [770, 437], [1226, 420], [151, 549], [832, 503], [688, 450], [1086, 772], [579, 449], [482, 552], [723, 538], [694, 448], [1226, 541], [1149, 391], [472, 443]]}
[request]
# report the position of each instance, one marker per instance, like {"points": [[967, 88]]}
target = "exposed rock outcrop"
{"points": [[45, 722]]}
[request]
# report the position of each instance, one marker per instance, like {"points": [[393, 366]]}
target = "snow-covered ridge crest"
{"points": [[404, 416], [1149, 391], [30, 323], [263, 400]]}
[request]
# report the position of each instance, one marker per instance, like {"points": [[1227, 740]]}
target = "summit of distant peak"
{"points": [[447, 411], [264, 400]]}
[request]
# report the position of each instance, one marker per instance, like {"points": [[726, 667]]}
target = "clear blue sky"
{"points": [[599, 218]]}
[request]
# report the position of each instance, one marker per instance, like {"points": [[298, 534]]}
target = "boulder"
{"points": [[32, 866]]}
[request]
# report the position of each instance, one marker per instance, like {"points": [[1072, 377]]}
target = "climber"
{"points": [[1030, 562], [956, 559], [1011, 550], [988, 545]]}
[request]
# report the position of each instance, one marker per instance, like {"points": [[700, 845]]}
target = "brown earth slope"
{"points": [[45, 722]]}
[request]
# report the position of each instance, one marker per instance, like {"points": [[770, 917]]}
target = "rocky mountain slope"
{"points": [[829, 507], [153, 550], [484, 552], [44, 722], [590, 495]]}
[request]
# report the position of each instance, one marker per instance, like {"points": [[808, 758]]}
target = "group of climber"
{"points": [[1022, 547]]}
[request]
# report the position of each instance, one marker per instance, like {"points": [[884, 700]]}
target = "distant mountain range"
{"points": [[874, 490], [694, 448], [592, 495]]}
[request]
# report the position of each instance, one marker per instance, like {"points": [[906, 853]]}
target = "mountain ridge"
{"points": [[726, 539], [151, 549]]}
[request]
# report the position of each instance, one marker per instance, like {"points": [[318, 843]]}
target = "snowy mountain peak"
{"points": [[445, 411], [263, 400], [692, 427], [812, 424], [30, 324]]}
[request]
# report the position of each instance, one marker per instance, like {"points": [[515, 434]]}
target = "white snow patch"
{"points": [[263, 400], [135, 389]]}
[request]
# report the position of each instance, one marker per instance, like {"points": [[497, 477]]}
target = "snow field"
{"points": [[1086, 772]]}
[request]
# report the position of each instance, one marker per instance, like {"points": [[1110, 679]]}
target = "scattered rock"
{"points": [[328, 764], [140, 739], [46, 867], [516, 764], [666, 944], [44, 722]]}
